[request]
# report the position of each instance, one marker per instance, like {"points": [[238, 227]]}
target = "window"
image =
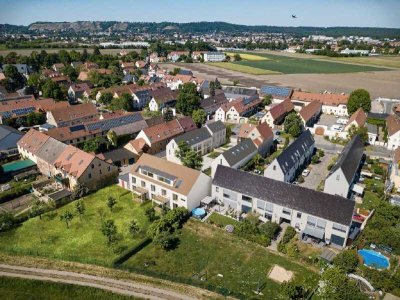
{"points": [[227, 196], [175, 197], [339, 227], [153, 188], [100, 171], [182, 199], [269, 207], [274, 168], [217, 189], [299, 215], [247, 198], [311, 221], [261, 204], [143, 183], [287, 211], [133, 179], [163, 192], [338, 177], [321, 224], [90, 175], [109, 168], [92, 166]]}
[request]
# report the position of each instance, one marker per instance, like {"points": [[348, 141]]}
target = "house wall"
{"points": [[172, 146], [340, 110], [274, 171], [199, 191], [27, 154], [218, 138], [394, 141], [267, 118], [336, 184], [219, 115], [201, 148], [153, 106], [97, 174], [278, 213]]}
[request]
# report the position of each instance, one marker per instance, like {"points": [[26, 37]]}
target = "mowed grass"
{"points": [[83, 240], [278, 64], [205, 249], [247, 56], [22, 289], [235, 66]]}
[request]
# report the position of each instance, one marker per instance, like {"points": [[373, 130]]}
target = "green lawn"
{"points": [[295, 65], [204, 248], [22, 289], [213, 154], [221, 220], [83, 240]]}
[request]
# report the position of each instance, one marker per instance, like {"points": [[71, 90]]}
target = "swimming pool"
{"points": [[374, 259], [198, 213]]}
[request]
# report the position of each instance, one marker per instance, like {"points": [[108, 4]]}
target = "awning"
{"points": [[139, 190], [160, 199], [207, 200], [314, 232], [358, 189]]}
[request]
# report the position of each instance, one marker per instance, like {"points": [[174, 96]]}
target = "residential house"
{"points": [[168, 184], [313, 214], [344, 174], [31, 143], [278, 93], [214, 56], [288, 165], [212, 103], [235, 157], [58, 67], [175, 55], [234, 92], [357, 119], [237, 110], [8, 141], [162, 98], [119, 157], [23, 69], [141, 64], [153, 58], [332, 104], [79, 92], [310, 113], [261, 135], [218, 131], [277, 113], [197, 55], [393, 129], [75, 114]]}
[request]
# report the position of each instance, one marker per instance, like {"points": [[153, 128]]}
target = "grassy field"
{"points": [[83, 240], [248, 56], [380, 61], [282, 64], [22, 289], [238, 66], [204, 248]]}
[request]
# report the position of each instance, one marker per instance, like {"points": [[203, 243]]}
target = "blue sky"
{"points": [[364, 13]]}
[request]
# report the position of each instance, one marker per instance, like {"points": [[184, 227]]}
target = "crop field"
{"points": [[248, 56], [381, 61], [243, 68], [280, 64]]}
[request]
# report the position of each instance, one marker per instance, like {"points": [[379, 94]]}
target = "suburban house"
{"points": [[67, 164], [79, 92], [214, 56], [332, 104], [23, 69], [393, 128], [162, 98], [122, 123], [75, 114], [343, 176], [202, 140], [278, 93], [168, 184], [237, 110], [158, 136], [235, 157], [288, 165], [197, 55], [175, 55], [8, 141], [314, 214], [213, 102], [261, 135], [357, 119], [277, 113], [310, 113]]}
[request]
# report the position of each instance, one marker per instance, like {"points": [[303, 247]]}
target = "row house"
{"points": [[324, 217], [234, 111]]}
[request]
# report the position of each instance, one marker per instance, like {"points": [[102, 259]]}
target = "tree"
{"points": [[35, 118], [69, 71], [111, 201], [109, 230], [36, 81], [51, 89], [125, 102], [361, 131], [133, 228], [199, 117], [106, 98], [346, 260], [37, 209], [292, 291], [168, 115], [13, 78], [267, 100], [166, 240], [188, 157], [80, 208], [150, 213], [79, 191], [315, 159], [7, 221], [228, 133], [359, 98], [96, 50], [92, 145], [237, 57], [293, 124], [112, 137], [67, 217], [188, 98]]}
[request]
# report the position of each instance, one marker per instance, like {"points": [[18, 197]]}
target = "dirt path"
{"points": [[139, 290]]}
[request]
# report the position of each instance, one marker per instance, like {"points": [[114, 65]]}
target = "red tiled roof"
{"points": [[359, 116], [163, 131], [32, 141], [281, 109], [393, 124], [74, 112], [325, 99], [74, 161], [310, 110]]}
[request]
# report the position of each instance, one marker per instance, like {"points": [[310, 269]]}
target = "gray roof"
{"points": [[291, 155], [330, 207], [239, 152], [194, 137], [22, 68], [215, 126], [9, 137], [118, 154], [51, 150], [372, 128], [350, 158]]}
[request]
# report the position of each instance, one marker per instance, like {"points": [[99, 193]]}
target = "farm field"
{"points": [[21, 289], [381, 61], [209, 251], [294, 65], [83, 241], [234, 66], [248, 56]]}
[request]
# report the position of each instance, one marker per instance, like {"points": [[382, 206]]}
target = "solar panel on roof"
{"points": [[105, 125], [23, 111], [276, 90], [76, 128]]}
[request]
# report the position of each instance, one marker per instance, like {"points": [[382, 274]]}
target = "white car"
{"points": [[306, 172]]}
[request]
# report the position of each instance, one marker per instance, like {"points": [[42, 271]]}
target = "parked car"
{"points": [[278, 132], [306, 172]]}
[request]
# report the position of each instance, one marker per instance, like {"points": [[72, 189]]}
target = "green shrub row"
{"points": [[289, 234]]}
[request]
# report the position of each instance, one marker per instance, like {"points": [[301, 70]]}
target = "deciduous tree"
{"points": [[359, 98]]}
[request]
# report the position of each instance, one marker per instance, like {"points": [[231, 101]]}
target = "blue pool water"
{"points": [[374, 259], [198, 213]]}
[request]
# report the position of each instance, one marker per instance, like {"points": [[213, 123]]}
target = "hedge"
{"points": [[14, 193], [130, 252]]}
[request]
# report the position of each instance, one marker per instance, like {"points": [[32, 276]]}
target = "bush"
{"points": [[7, 221], [347, 260], [289, 234]]}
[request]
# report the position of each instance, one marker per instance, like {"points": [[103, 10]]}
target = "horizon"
{"points": [[311, 13]]}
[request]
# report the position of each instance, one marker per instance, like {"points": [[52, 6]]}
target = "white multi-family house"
{"points": [[393, 128], [214, 56], [313, 214], [168, 184], [202, 140], [236, 156], [175, 55], [342, 178], [162, 98], [288, 165]]}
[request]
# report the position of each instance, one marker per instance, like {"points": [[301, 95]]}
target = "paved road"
{"points": [[139, 290]]}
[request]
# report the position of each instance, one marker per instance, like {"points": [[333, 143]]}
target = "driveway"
{"points": [[318, 172]]}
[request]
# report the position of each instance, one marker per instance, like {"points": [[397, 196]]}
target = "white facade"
{"points": [[221, 160], [394, 141], [214, 56], [153, 105], [336, 184], [340, 110]]}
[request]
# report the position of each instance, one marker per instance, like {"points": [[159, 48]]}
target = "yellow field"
{"points": [[246, 56], [243, 69]]}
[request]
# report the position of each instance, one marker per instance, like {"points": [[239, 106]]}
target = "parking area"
{"points": [[328, 120], [318, 172]]}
